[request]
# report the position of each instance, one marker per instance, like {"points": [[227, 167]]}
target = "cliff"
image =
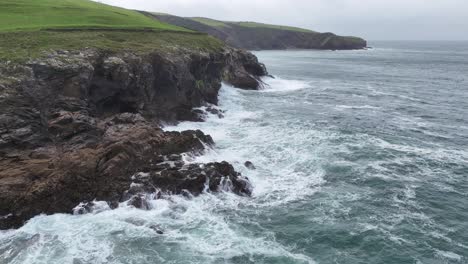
{"points": [[81, 107], [82, 125], [258, 36]]}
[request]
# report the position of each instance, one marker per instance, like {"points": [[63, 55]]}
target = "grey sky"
{"points": [[371, 19]]}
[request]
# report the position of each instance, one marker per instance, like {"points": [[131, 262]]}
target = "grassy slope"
{"points": [[261, 25], [29, 27], [257, 36], [217, 23], [39, 14], [19, 46], [210, 22]]}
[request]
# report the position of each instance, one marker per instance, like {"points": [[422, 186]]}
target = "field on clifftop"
{"points": [[217, 23], [31, 28], [53, 14]]}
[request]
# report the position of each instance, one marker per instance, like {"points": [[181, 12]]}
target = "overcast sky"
{"points": [[371, 19]]}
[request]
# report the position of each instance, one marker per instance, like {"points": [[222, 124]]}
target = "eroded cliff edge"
{"points": [[82, 125]]}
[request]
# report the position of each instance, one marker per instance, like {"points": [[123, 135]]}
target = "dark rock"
{"points": [[245, 81], [140, 202], [157, 229], [194, 178], [65, 176], [178, 164], [249, 77], [84, 208], [197, 115], [249, 165], [215, 111], [159, 159], [113, 204], [136, 188], [75, 126], [174, 157]]}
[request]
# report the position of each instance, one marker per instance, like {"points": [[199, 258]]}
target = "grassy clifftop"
{"points": [[217, 23], [253, 35], [47, 14], [28, 28]]}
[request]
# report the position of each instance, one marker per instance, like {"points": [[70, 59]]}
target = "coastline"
{"points": [[83, 125]]}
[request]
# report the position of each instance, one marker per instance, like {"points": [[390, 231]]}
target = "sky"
{"points": [[370, 19]]}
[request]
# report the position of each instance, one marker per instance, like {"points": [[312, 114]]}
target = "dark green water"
{"points": [[361, 157]]}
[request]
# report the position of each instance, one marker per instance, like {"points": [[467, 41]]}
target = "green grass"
{"points": [[33, 28], [20, 46], [30, 15], [217, 23], [160, 14], [261, 25], [209, 22]]}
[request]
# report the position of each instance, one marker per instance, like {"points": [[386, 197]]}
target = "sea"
{"points": [[361, 157]]}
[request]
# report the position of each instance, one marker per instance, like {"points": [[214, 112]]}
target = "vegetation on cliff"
{"points": [[29, 29], [46, 14], [20, 46], [255, 36], [217, 23]]}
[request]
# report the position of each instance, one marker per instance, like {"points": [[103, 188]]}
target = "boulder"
{"points": [[249, 165]]}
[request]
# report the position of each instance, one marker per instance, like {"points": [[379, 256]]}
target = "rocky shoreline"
{"points": [[78, 126]]}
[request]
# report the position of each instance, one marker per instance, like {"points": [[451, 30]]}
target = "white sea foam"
{"points": [[192, 227], [303, 162], [278, 84], [357, 107], [449, 255], [241, 136]]}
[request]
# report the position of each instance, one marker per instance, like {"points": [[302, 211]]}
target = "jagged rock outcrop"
{"points": [[37, 98], [76, 126]]}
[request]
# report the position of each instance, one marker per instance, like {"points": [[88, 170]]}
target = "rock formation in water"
{"points": [[83, 125], [258, 36]]}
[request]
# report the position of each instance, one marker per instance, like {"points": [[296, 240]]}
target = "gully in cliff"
{"points": [[83, 125]]}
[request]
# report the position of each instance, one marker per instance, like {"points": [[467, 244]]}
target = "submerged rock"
{"points": [[249, 165], [83, 208], [157, 229], [140, 202], [91, 207]]}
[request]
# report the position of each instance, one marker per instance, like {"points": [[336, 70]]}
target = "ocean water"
{"points": [[361, 156]]}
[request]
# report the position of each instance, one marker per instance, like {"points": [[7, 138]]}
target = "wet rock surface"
{"points": [[55, 178], [249, 165], [176, 177], [76, 126]]}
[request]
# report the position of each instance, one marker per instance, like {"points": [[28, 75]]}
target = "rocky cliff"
{"points": [[82, 125], [257, 36]]}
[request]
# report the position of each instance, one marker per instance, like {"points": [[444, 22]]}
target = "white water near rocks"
{"points": [[360, 155]]}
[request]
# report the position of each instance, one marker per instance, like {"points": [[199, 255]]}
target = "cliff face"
{"points": [[264, 37], [83, 125]]}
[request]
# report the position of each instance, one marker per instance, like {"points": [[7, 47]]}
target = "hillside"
{"points": [[47, 14], [29, 28], [258, 36]]}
